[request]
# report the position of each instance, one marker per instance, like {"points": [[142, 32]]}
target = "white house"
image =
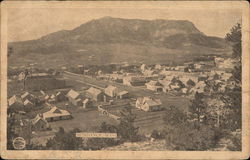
{"points": [[15, 102], [74, 97], [154, 86], [110, 90], [28, 104], [148, 104]]}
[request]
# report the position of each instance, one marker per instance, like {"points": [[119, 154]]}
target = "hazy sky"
{"points": [[28, 23]]}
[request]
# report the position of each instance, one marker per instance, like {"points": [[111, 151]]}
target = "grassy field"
{"points": [[90, 120], [87, 121]]}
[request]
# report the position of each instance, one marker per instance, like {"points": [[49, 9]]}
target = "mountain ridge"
{"points": [[97, 34]]}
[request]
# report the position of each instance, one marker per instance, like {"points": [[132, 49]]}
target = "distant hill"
{"points": [[114, 40]]}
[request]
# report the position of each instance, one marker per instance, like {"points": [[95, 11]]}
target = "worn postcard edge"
{"points": [[55, 154]]}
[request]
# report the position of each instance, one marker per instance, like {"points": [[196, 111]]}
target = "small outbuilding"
{"points": [[39, 123], [95, 94], [87, 103]]}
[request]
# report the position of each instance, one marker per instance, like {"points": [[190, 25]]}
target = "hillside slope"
{"points": [[108, 40]]}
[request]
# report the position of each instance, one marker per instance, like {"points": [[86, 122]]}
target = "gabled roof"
{"points": [[46, 97], [42, 92], [215, 102], [94, 91], [154, 83], [111, 88], [27, 102], [86, 100], [149, 72], [52, 96], [37, 118], [73, 94], [58, 93], [150, 101], [25, 95], [13, 100], [165, 83], [55, 112], [122, 93]]}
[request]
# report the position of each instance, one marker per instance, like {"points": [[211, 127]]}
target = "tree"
{"points": [[185, 136], [126, 128], [173, 116], [190, 83], [99, 143], [233, 97], [10, 131], [26, 73], [198, 107], [65, 140], [234, 37]]}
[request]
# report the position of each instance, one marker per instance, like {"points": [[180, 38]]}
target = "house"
{"points": [[181, 68], [134, 80], [53, 97], [28, 104], [110, 91], [41, 99], [200, 87], [42, 92], [148, 104], [176, 84], [95, 94], [154, 86], [15, 102], [202, 77], [223, 63], [60, 97], [28, 96], [87, 103], [99, 72], [150, 73], [74, 97], [55, 114], [226, 76], [166, 85], [46, 97], [122, 95], [143, 67], [115, 77], [198, 66], [184, 90], [39, 123], [158, 66], [21, 76]]}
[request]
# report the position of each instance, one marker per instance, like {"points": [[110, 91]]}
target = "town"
{"points": [[85, 96]]}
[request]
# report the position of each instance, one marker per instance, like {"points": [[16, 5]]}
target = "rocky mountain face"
{"points": [[114, 39]]}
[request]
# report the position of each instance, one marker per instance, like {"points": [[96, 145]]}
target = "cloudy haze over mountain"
{"points": [[33, 23]]}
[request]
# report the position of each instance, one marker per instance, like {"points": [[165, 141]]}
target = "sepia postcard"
{"points": [[125, 80]]}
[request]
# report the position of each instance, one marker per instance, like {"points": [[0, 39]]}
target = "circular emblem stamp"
{"points": [[19, 143]]}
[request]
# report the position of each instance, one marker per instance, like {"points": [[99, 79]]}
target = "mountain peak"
{"points": [[106, 17], [110, 37]]}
